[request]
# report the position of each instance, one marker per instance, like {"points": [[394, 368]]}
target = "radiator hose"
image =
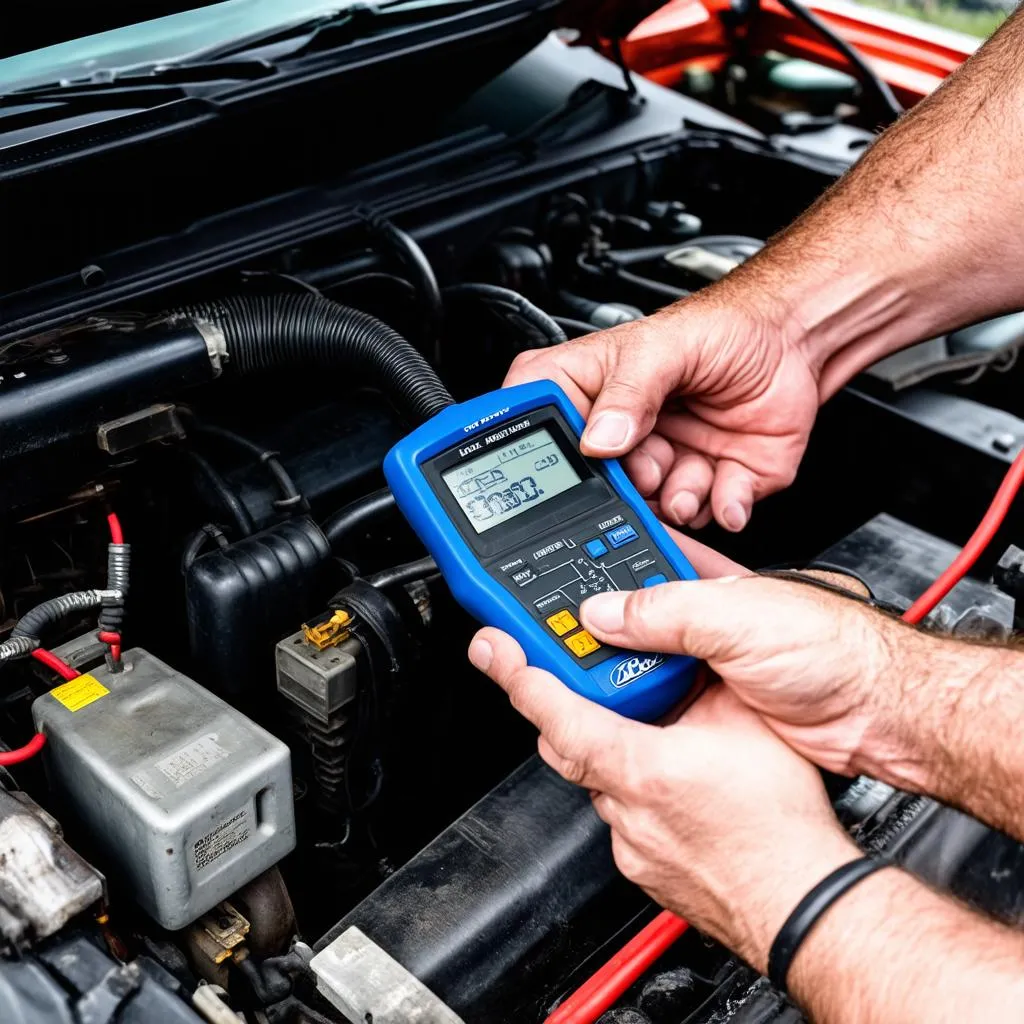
{"points": [[297, 330]]}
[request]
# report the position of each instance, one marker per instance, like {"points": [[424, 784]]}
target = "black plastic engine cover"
{"points": [[502, 900], [245, 598]]}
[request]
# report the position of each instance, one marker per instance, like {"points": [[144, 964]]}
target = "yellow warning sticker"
{"points": [[79, 693]]}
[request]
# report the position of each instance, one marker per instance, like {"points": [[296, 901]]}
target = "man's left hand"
{"points": [[712, 815]]}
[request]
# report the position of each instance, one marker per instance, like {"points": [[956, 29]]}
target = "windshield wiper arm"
{"points": [[339, 28], [150, 88], [204, 72]]}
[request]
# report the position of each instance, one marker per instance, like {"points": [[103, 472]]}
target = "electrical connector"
{"points": [[330, 633]]}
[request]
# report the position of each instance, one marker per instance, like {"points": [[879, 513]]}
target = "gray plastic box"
{"points": [[186, 796]]}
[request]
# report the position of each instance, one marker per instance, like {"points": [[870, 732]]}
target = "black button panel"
{"points": [[605, 549]]}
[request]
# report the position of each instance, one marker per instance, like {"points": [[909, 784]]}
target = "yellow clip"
{"points": [[329, 633]]}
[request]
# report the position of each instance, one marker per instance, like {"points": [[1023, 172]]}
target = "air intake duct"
{"points": [[303, 331], [111, 373]]}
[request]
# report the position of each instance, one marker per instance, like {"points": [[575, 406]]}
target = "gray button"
{"points": [[643, 562], [524, 576], [548, 549], [551, 603]]}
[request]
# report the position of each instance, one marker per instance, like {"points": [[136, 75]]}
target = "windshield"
{"points": [[171, 38]]}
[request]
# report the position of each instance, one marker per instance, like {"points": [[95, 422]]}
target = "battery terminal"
{"points": [[330, 633]]}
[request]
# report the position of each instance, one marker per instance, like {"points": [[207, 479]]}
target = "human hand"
{"points": [[712, 403], [712, 815], [824, 672]]}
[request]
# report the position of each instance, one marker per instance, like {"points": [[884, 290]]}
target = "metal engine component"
{"points": [[365, 983], [43, 882], [712, 257], [187, 796]]}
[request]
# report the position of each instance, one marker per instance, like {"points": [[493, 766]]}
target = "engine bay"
{"points": [[283, 794]]}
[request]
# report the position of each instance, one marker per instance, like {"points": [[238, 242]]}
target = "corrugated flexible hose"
{"points": [[275, 332]]}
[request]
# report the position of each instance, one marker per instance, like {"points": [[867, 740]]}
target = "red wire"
{"points": [[608, 983], [19, 754], [34, 745], [50, 660], [116, 533], [986, 530], [111, 639]]}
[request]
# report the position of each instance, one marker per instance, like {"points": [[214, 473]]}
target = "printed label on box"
{"points": [[192, 760], [79, 693], [224, 838]]}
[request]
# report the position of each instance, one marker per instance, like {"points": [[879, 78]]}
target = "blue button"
{"points": [[621, 535], [595, 548], [653, 581]]}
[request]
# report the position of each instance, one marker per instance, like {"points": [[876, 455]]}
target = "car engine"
{"points": [[272, 788]]}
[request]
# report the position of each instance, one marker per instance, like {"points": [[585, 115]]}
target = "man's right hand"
{"points": [[823, 671], [852, 689], [741, 398]]}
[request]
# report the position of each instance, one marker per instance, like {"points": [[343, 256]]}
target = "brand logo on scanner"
{"points": [[631, 669], [470, 427]]}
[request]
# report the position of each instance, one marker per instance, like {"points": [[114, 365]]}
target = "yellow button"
{"points": [[562, 622], [581, 644]]}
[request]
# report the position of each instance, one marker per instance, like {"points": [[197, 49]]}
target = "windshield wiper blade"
{"points": [[339, 28], [150, 88]]}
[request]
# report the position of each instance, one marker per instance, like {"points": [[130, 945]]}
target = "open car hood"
{"points": [[594, 19], [606, 19]]}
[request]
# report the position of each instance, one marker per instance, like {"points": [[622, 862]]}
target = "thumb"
{"points": [[718, 621], [631, 397]]}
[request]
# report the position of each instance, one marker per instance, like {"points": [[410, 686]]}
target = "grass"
{"points": [[975, 23]]}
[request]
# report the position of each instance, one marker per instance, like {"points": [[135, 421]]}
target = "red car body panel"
{"points": [[913, 57]]}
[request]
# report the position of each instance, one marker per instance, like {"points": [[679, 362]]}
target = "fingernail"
{"points": [[684, 506], [609, 430], [605, 612], [735, 515], [655, 467], [481, 654]]}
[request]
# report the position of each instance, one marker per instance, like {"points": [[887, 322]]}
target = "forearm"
{"points": [[892, 951], [888, 951], [949, 724], [917, 238]]}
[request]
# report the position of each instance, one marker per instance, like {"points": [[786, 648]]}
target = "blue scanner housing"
{"points": [[524, 528]]}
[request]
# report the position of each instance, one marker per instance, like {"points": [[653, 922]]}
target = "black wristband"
{"points": [[809, 910]]}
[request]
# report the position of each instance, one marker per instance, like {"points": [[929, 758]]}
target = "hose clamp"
{"points": [[216, 344]]}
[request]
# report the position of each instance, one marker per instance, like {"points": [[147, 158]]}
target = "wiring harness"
{"points": [[26, 637]]}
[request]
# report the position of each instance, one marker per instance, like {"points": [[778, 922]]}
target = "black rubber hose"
{"points": [[230, 501], [415, 261], [291, 499], [357, 514], [654, 288], [302, 331], [543, 325], [890, 107], [404, 573], [574, 328], [198, 541]]}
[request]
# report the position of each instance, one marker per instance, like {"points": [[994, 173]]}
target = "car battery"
{"points": [[186, 796]]}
